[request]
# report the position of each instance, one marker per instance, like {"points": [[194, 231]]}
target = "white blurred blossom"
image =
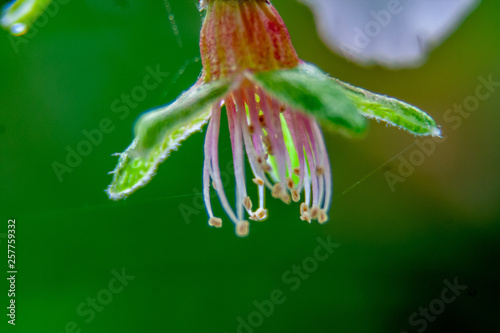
{"points": [[391, 33]]}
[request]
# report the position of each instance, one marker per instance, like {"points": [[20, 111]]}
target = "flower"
{"points": [[272, 100], [390, 33]]}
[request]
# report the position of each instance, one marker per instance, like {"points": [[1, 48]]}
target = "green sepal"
{"points": [[309, 90], [390, 110], [19, 16], [161, 131], [333, 102]]}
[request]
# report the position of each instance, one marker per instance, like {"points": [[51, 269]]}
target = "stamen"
{"points": [[323, 217], [206, 170], [304, 208], [305, 159], [277, 190], [304, 212], [215, 222], [295, 195], [267, 143], [274, 134], [318, 159], [326, 163], [285, 197], [307, 188], [297, 137], [305, 217], [242, 228], [259, 215], [311, 160], [279, 121], [237, 146], [258, 181], [262, 197], [246, 133], [215, 170], [321, 190], [314, 212], [251, 148], [247, 202], [255, 161], [321, 158], [262, 121], [253, 112]]}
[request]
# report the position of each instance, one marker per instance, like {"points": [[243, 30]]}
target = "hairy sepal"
{"points": [[307, 89], [390, 110], [161, 131]]}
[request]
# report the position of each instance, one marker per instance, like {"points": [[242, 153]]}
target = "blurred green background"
{"points": [[396, 247]]}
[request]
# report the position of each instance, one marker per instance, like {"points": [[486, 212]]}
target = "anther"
{"points": [[251, 129], [259, 215], [320, 170], [276, 192], [215, 222], [285, 198], [242, 228], [304, 208], [267, 142], [266, 167], [314, 212], [305, 217], [258, 181], [296, 171], [290, 183], [282, 108], [322, 216], [262, 120], [295, 195], [247, 202]]}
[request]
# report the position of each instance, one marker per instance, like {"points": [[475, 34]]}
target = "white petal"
{"points": [[391, 33]]}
